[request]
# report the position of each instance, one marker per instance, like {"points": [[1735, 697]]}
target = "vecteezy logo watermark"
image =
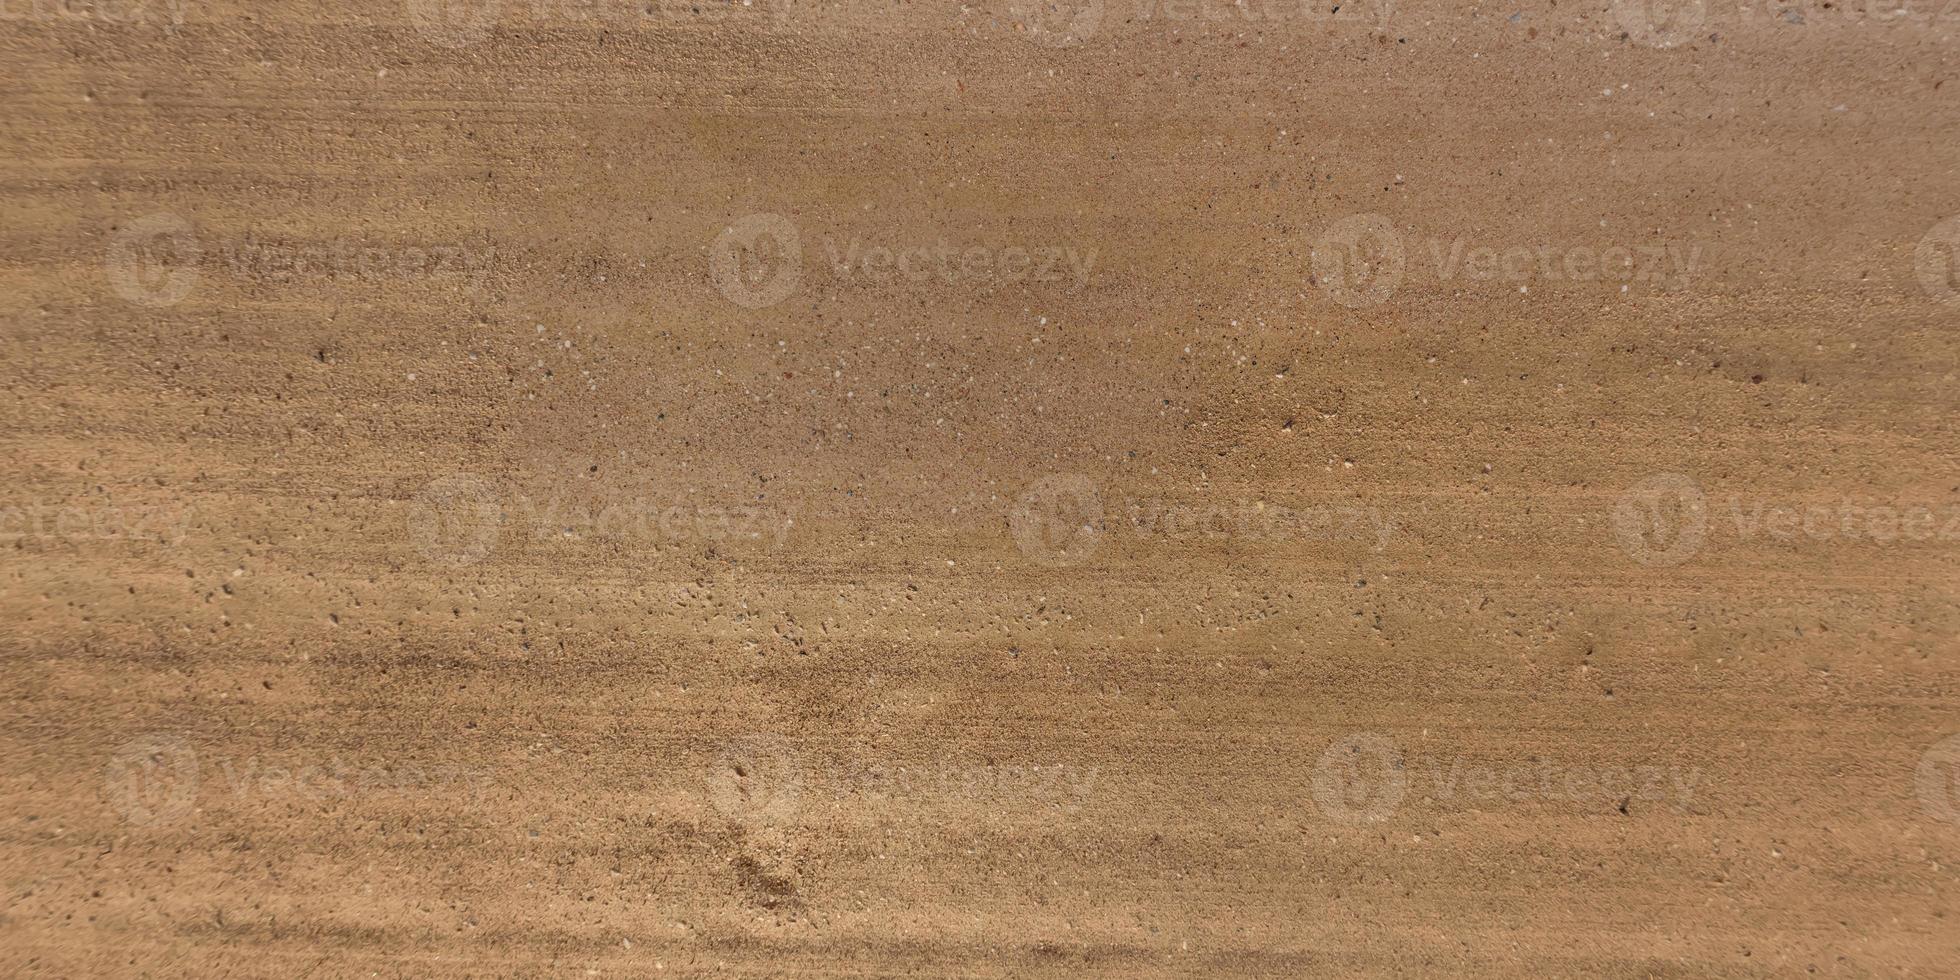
{"points": [[152, 779], [1660, 521], [1373, 13], [457, 23], [455, 520], [1361, 260], [1360, 780], [152, 261], [158, 259], [1057, 23], [138, 12], [1661, 23], [1673, 23], [1938, 780], [1057, 521], [756, 779], [757, 261], [1937, 262], [454, 23], [1065, 23], [1664, 520], [459, 519], [1364, 779], [761, 780], [156, 779]]}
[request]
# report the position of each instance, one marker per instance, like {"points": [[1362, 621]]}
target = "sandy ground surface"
{"points": [[1141, 488]]}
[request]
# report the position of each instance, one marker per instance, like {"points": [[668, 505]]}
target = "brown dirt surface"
{"points": [[1011, 488]]}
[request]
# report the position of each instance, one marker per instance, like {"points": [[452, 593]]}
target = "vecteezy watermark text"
{"points": [[459, 519], [1666, 519], [1068, 23], [159, 778], [72, 522], [1673, 23], [1060, 520], [1364, 778], [1362, 260], [281, 259], [157, 260], [758, 262], [457, 23], [941, 262], [764, 779], [1317, 13], [119, 12]]}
